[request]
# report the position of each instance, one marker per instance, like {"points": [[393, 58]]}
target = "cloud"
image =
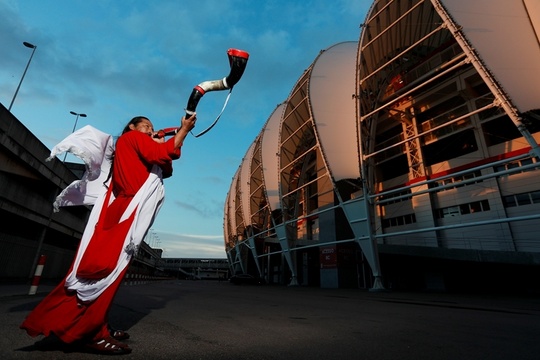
{"points": [[177, 245], [190, 207], [212, 210]]}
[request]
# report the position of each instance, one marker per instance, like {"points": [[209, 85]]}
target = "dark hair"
{"points": [[134, 121]]}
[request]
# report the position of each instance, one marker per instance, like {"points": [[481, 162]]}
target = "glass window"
{"points": [[523, 199], [465, 209], [485, 205], [535, 196], [451, 211], [476, 207], [512, 165], [526, 161], [509, 201]]}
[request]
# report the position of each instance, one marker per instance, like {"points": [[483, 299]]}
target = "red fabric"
{"points": [[101, 255], [138, 153], [60, 312]]}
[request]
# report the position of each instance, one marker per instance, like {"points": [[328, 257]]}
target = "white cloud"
{"points": [[177, 245]]}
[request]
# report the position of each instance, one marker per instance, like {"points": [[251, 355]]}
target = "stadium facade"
{"points": [[408, 159]]}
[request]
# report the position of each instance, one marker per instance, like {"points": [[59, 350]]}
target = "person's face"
{"points": [[144, 126]]}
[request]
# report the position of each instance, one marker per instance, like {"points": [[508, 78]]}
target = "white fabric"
{"points": [[95, 149]]}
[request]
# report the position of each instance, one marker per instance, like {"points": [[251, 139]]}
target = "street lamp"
{"points": [[31, 46], [77, 119], [75, 125]]}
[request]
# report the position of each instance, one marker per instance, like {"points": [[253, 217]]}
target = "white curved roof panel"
{"points": [[232, 207], [245, 173], [269, 151], [226, 220], [331, 89], [505, 35]]}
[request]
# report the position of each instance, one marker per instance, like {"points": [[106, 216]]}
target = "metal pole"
{"points": [[74, 126], [34, 47]]}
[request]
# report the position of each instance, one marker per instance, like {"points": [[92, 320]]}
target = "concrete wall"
{"points": [[28, 186]]}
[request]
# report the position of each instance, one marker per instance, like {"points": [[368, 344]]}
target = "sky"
{"points": [[113, 60]]}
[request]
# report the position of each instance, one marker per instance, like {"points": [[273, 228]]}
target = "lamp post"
{"points": [[49, 220], [74, 125], [76, 119], [31, 46]]}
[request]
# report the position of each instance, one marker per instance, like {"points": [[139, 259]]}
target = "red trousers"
{"points": [[61, 313]]}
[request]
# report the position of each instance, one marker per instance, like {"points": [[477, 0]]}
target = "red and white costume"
{"points": [[77, 308]]}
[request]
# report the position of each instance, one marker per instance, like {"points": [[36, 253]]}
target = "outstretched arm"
{"points": [[187, 125]]}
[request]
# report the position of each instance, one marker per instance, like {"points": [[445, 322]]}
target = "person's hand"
{"points": [[158, 139], [189, 123]]}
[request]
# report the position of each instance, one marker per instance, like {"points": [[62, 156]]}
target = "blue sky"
{"points": [[113, 60]]}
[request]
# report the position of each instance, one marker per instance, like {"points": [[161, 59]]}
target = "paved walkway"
{"points": [[12, 289], [217, 320]]}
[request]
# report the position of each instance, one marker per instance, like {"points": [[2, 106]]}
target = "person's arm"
{"points": [[166, 151], [187, 125]]}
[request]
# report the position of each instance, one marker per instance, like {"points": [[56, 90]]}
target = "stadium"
{"points": [[405, 160]]}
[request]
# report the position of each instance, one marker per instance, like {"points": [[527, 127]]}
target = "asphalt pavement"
{"points": [[183, 319]]}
